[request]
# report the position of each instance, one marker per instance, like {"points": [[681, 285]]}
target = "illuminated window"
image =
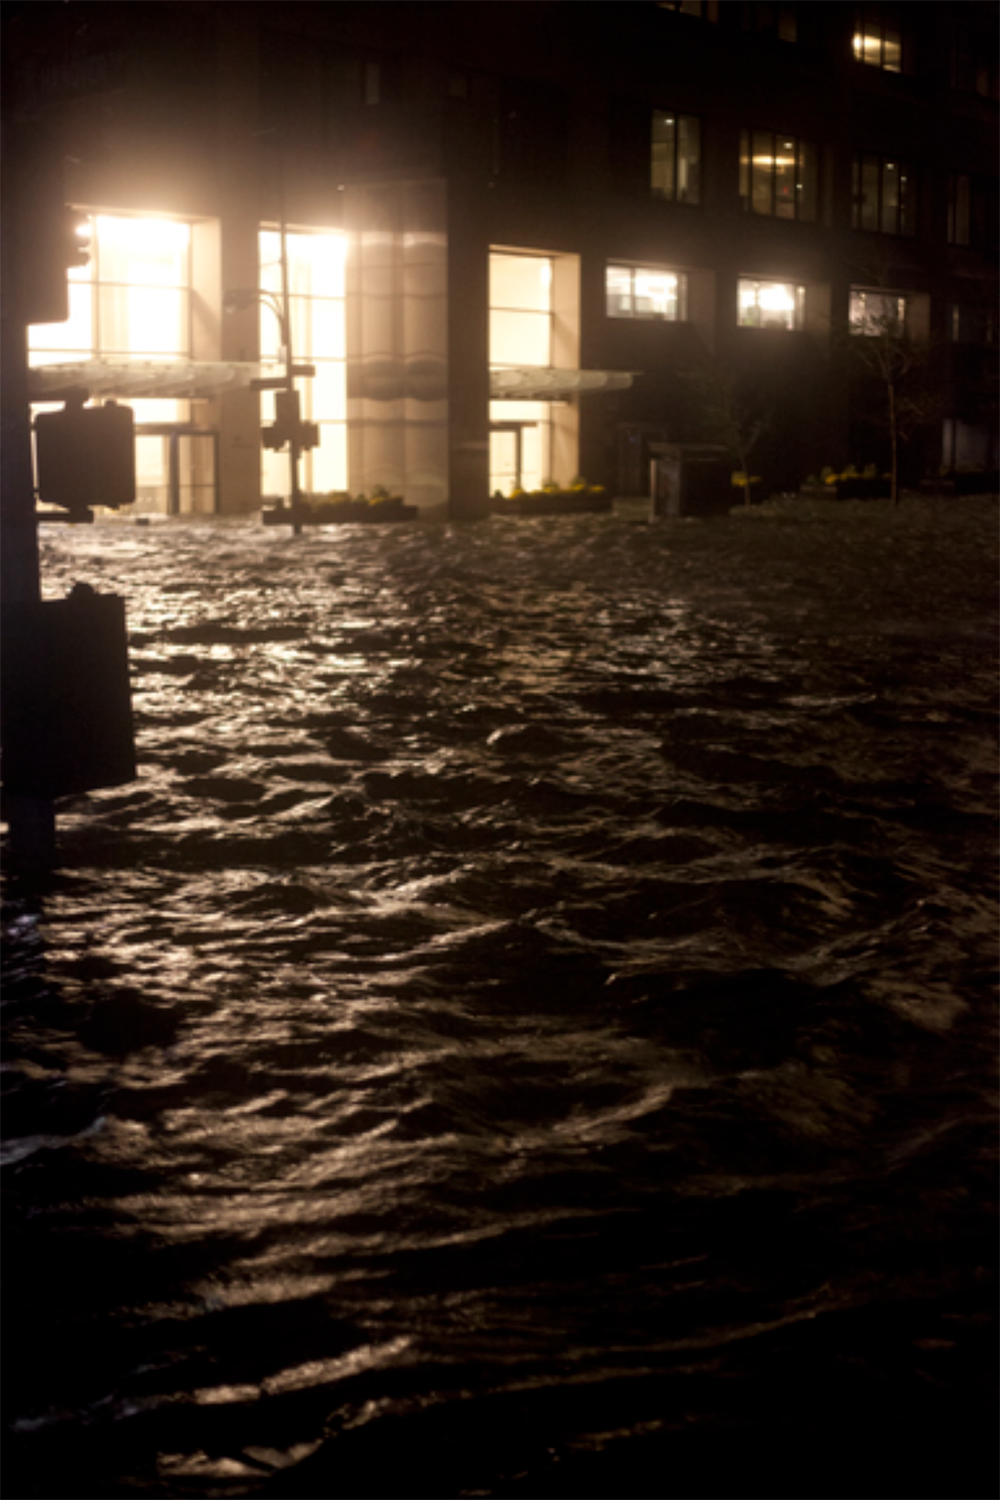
{"points": [[778, 175], [884, 196], [520, 309], [131, 298], [131, 301], [878, 38], [675, 171], [876, 312], [520, 336], [316, 309], [769, 304], [646, 292]]}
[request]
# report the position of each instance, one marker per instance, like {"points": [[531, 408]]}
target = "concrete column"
{"points": [[468, 353]]}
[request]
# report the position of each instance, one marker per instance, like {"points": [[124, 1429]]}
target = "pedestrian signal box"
{"points": [[85, 456], [65, 696]]}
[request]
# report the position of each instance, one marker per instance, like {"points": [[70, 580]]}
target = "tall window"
{"points": [[778, 175], [878, 37], [959, 209], [646, 292], [875, 311], [520, 309], [132, 301], [520, 335], [770, 304], [676, 157], [316, 307], [973, 213], [884, 196]]}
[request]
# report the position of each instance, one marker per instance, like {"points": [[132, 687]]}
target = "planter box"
{"points": [[848, 489], [340, 512], [554, 503]]}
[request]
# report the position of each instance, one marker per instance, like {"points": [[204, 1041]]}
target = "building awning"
{"points": [[180, 379], [197, 379], [528, 383]]}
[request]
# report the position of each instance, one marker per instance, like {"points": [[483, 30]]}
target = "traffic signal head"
{"points": [[76, 238]]}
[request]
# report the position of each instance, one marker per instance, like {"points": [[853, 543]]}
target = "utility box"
{"points": [[65, 699], [690, 479], [85, 456]]}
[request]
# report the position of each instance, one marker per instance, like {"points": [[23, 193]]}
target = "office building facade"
{"points": [[525, 242]]}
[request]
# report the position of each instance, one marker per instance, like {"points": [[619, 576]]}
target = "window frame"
{"points": [[862, 323], [634, 267], [798, 296], [779, 22], [882, 24], [907, 204], [696, 8], [805, 175], [674, 195]]}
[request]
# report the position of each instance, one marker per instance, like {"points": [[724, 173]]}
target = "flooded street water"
{"points": [[531, 1027]]}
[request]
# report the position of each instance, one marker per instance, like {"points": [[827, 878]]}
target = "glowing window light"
{"points": [[769, 304], [645, 292], [882, 48]]}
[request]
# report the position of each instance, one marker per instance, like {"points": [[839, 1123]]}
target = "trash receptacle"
{"points": [[690, 479]]}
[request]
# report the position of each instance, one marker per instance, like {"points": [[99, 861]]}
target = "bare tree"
{"points": [[891, 362], [729, 411]]}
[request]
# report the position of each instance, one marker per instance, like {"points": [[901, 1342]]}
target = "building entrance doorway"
{"points": [[513, 456], [176, 470]]}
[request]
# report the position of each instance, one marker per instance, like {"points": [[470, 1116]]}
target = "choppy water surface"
{"points": [[530, 1029]]}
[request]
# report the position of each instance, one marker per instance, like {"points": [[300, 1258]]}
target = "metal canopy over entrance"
{"points": [[546, 383], [181, 379]]}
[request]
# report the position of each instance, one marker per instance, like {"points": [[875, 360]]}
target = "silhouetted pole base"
{"points": [[31, 834]]}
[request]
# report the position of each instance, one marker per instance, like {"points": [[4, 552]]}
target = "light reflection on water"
{"points": [[530, 1028]]}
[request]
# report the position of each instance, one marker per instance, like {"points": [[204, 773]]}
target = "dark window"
{"points": [[972, 324], [529, 132], [878, 37], [974, 64], [973, 213], [778, 175], [684, 7], [675, 166], [884, 195], [779, 21], [351, 80]]}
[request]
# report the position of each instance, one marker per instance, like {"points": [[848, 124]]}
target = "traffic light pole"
{"points": [[30, 820], [295, 498]]}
